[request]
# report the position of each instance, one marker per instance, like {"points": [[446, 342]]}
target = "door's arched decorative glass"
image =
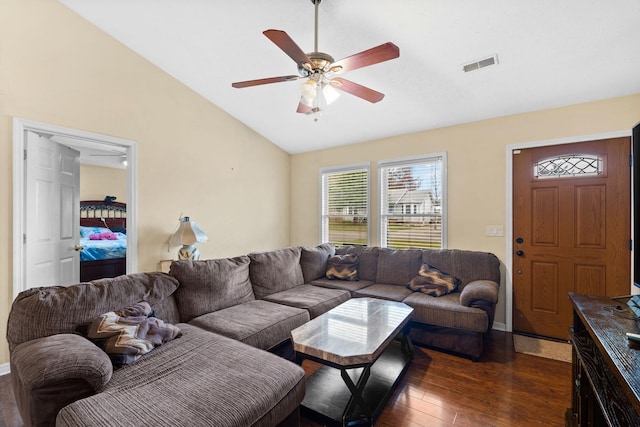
{"points": [[573, 165]]}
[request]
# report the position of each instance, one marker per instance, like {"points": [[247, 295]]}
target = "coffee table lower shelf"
{"points": [[327, 396]]}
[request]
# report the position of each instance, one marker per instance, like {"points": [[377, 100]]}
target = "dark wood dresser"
{"points": [[606, 366]]}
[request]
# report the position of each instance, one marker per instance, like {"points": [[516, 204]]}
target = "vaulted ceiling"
{"points": [[550, 53]]}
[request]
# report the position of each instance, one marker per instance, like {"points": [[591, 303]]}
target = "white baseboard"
{"points": [[4, 369], [499, 326]]}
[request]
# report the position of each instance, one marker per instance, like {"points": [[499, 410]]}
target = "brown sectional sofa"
{"points": [[229, 312], [455, 322]]}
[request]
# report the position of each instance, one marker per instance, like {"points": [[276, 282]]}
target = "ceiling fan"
{"points": [[319, 68]]}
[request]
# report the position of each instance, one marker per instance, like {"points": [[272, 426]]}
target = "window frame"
{"points": [[354, 167], [381, 188]]}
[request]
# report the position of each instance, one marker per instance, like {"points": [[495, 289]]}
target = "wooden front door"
{"points": [[571, 230]]}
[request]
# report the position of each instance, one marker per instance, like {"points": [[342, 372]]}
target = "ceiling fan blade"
{"points": [[269, 80], [288, 46], [357, 90], [375, 55]]}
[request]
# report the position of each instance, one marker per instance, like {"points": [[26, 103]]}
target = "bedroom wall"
{"points": [[476, 168], [96, 182], [193, 158]]}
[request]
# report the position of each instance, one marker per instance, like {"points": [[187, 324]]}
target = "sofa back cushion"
{"points": [[367, 260], [275, 271], [465, 265], [313, 261], [211, 285], [398, 266], [45, 311]]}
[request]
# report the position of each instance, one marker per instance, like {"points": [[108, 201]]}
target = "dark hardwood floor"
{"points": [[504, 388]]}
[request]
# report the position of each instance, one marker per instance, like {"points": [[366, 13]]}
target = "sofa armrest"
{"points": [[482, 294], [49, 373], [479, 292]]}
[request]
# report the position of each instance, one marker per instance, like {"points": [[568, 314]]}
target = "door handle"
{"points": [[78, 248], [520, 252]]}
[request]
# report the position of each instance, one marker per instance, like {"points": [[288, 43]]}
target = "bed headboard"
{"points": [[99, 213]]}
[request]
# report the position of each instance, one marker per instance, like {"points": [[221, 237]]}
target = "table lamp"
{"points": [[187, 235]]}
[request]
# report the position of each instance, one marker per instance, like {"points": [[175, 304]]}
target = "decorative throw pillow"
{"points": [[432, 281], [127, 334], [343, 267]]}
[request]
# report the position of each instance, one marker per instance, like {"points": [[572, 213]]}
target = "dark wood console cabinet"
{"points": [[606, 366]]}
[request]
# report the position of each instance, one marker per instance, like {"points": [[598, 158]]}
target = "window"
{"points": [[345, 205], [412, 201], [568, 166]]}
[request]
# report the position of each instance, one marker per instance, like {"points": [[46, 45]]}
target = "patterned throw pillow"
{"points": [[127, 334], [432, 281], [343, 267]]}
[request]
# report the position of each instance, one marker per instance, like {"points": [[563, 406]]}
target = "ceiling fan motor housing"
{"points": [[320, 63]]}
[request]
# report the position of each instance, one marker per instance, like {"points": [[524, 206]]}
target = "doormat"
{"points": [[542, 348]]}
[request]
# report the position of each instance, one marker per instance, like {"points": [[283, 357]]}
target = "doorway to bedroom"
{"points": [[47, 210]]}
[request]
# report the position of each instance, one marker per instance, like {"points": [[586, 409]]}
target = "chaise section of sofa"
{"points": [[186, 381], [200, 379]]}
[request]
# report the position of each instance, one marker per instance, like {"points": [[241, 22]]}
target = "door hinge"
{"points": [[630, 244], [24, 239], [25, 154]]}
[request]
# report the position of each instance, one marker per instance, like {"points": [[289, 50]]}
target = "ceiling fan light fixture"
{"points": [[330, 94], [309, 89]]}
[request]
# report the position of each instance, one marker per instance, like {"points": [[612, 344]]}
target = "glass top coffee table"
{"points": [[365, 349]]}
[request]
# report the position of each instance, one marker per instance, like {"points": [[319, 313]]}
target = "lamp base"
{"points": [[189, 252]]}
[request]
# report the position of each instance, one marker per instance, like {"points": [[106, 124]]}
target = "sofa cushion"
{"points": [[346, 285], [446, 311], [314, 299], [343, 267], [384, 291], [432, 281], [367, 259], [465, 265], [127, 334], [40, 312], [313, 261], [398, 266], [211, 285], [275, 271], [259, 323], [201, 379]]}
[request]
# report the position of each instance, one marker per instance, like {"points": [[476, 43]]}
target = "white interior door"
{"points": [[52, 213]]}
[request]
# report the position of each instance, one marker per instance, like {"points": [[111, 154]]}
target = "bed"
{"points": [[103, 235]]}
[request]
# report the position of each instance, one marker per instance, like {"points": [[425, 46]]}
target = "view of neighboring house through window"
{"points": [[412, 195], [345, 205]]}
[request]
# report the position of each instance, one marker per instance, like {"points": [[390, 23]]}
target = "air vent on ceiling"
{"points": [[481, 63]]}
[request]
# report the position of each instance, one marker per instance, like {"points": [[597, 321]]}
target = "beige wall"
{"points": [[476, 168], [96, 182], [193, 158]]}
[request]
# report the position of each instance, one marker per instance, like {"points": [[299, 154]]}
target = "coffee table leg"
{"points": [[406, 344], [356, 392]]}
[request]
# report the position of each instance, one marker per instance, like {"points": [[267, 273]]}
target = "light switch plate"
{"points": [[495, 230]]}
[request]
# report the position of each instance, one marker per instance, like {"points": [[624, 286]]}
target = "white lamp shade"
{"points": [[188, 233]]}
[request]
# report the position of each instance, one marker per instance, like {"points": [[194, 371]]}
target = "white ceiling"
{"points": [[551, 53]]}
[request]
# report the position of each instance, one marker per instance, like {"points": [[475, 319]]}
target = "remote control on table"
{"points": [[633, 337]]}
